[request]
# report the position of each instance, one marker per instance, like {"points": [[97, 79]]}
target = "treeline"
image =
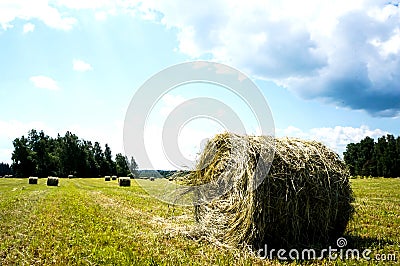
{"points": [[156, 173], [374, 158], [5, 169], [42, 156]]}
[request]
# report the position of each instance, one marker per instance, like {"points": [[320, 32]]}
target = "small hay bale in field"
{"points": [[33, 180], [114, 177], [70, 176], [52, 181], [107, 178], [304, 200], [124, 181], [151, 178]]}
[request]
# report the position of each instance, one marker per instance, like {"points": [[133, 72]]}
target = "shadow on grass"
{"points": [[360, 242]]}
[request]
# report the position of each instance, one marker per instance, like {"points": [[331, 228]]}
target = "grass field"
{"points": [[93, 222]]}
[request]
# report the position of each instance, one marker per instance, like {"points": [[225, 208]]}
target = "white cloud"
{"points": [[317, 49], [188, 143], [101, 15], [189, 140], [28, 27], [5, 155], [336, 138], [44, 82], [292, 131], [108, 133], [56, 13], [80, 65], [85, 4], [11, 10], [390, 46], [13, 129]]}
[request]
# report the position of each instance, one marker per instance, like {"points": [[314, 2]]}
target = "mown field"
{"points": [[93, 222]]}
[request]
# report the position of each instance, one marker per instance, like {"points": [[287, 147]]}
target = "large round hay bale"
{"points": [[124, 181], [33, 180], [52, 181], [107, 178], [70, 176], [304, 200], [114, 177]]}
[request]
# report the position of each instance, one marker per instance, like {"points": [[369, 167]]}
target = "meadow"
{"points": [[93, 222]]}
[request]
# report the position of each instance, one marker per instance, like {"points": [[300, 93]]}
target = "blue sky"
{"points": [[328, 69]]}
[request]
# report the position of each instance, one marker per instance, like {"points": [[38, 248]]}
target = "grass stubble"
{"points": [[92, 222]]}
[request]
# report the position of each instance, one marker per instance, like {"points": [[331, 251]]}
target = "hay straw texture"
{"points": [[304, 200], [33, 180], [107, 178], [52, 181], [124, 181]]}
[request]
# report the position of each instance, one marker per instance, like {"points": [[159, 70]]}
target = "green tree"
{"points": [[88, 167], [380, 156], [41, 155], [55, 150], [5, 169], [390, 156], [110, 167], [99, 159], [350, 157], [397, 161], [121, 165], [366, 158], [39, 145], [70, 154], [133, 167], [23, 158]]}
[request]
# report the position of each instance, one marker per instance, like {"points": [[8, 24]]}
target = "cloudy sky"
{"points": [[330, 70]]}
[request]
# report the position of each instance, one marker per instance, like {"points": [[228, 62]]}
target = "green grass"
{"points": [[93, 222]]}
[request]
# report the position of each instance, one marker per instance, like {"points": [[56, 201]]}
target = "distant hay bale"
{"points": [[70, 176], [114, 177], [107, 178], [33, 180], [151, 178], [52, 181], [124, 181], [304, 200]]}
